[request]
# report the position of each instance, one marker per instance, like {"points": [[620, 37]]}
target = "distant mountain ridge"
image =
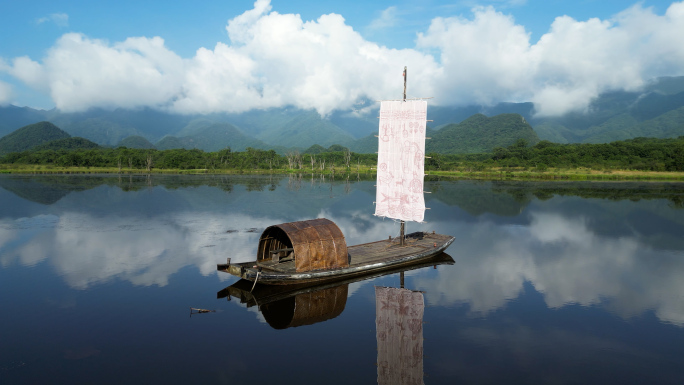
{"points": [[305, 130], [209, 135], [66, 144], [30, 136], [42, 136], [135, 141], [480, 134], [655, 111]]}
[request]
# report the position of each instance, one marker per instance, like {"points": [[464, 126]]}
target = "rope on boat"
{"points": [[255, 281]]}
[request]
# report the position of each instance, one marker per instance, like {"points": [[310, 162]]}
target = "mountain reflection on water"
{"points": [[549, 279]]}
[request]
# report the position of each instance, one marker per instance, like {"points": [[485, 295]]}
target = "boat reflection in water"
{"points": [[283, 308], [291, 306]]}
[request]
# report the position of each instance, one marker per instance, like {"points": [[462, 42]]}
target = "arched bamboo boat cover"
{"points": [[318, 244]]}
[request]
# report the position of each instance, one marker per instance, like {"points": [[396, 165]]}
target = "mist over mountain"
{"points": [[13, 117], [656, 111]]}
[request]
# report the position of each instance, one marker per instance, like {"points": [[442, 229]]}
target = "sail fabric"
{"points": [[399, 333], [401, 159]]}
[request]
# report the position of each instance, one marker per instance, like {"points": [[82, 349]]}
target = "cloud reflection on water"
{"points": [[147, 236], [566, 262], [86, 249]]}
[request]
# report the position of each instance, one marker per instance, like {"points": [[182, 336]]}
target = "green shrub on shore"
{"points": [[641, 156]]}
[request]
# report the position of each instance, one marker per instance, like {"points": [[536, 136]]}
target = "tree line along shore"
{"points": [[639, 158]]}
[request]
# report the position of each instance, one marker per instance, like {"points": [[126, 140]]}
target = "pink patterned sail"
{"points": [[401, 158]]}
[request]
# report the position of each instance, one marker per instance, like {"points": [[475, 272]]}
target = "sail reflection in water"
{"points": [[399, 332]]}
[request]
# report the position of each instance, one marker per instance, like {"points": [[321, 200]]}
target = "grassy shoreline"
{"points": [[489, 174], [565, 175]]}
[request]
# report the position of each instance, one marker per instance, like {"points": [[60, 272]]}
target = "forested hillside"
{"points": [[306, 130], [135, 141], [210, 136], [66, 144], [31, 136], [479, 134]]}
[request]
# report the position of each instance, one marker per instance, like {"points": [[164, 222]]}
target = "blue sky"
{"points": [[182, 57]]}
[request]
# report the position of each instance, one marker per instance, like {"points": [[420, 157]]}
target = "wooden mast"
{"points": [[404, 83], [403, 224]]}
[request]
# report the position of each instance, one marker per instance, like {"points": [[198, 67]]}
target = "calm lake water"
{"points": [[562, 283]]}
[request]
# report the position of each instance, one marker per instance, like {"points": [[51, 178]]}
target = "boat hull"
{"points": [[370, 255]]}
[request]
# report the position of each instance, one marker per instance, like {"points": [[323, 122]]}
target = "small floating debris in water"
{"points": [[231, 231], [12, 365], [252, 230], [194, 310]]}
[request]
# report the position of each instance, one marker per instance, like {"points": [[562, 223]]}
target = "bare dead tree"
{"points": [[290, 159], [118, 163], [347, 157], [298, 160], [312, 158], [148, 163]]}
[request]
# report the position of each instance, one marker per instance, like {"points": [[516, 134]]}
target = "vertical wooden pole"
{"points": [[402, 229], [405, 75], [403, 224]]}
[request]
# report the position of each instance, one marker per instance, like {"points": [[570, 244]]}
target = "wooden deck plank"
{"points": [[373, 252]]}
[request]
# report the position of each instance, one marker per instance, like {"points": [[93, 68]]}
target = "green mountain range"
{"points": [[66, 144], [209, 135], [655, 111], [42, 136], [304, 130], [135, 141], [31, 136], [479, 134]]}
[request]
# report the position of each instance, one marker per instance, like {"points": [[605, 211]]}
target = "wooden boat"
{"points": [[315, 250]]}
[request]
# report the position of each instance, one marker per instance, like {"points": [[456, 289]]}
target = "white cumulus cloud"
{"points": [[274, 60], [80, 73], [60, 19], [387, 19], [5, 89], [5, 93]]}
